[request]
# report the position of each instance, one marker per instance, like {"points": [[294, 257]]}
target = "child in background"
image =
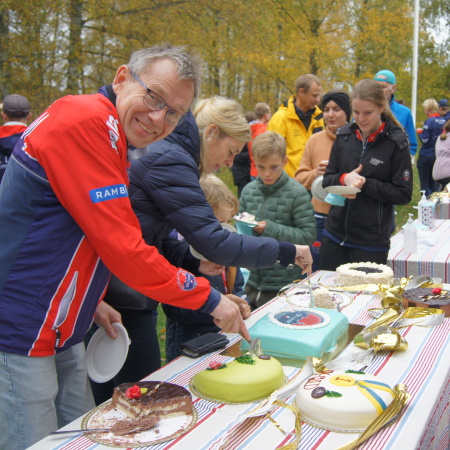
{"points": [[283, 210], [184, 324]]}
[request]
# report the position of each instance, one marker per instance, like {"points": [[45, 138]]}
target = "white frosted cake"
{"points": [[300, 333], [354, 274], [343, 401]]}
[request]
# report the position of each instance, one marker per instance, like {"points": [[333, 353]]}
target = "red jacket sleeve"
{"points": [[82, 148]]}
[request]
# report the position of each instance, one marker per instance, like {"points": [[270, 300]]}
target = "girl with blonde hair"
{"points": [[370, 159], [432, 128]]}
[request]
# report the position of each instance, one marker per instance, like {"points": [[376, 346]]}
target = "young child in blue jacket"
{"points": [[184, 324]]}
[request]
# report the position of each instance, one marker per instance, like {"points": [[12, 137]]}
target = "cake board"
{"points": [[347, 338]]}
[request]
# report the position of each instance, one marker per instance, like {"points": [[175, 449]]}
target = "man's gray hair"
{"points": [[189, 64]]}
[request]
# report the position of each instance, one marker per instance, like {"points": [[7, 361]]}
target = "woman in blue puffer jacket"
{"points": [[165, 194]]}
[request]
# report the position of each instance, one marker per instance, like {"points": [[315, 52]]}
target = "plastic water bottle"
{"points": [[428, 214], [422, 201], [410, 236]]}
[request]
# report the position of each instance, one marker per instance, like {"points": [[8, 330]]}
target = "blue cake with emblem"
{"points": [[297, 334]]}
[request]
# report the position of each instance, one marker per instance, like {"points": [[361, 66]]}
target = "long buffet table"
{"points": [[424, 367], [432, 261]]}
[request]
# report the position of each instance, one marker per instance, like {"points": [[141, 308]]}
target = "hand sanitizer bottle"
{"points": [[410, 236]]}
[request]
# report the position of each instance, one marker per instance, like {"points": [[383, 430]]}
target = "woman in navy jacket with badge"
{"points": [[165, 194], [372, 154]]}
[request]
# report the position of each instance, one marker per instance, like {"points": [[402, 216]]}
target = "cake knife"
{"points": [[310, 290]]}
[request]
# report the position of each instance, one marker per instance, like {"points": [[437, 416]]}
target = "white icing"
{"points": [[347, 276], [352, 411], [246, 217]]}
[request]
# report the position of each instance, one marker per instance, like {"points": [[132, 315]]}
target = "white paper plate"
{"points": [[342, 190], [196, 254], [105, 356], [249, 223], [317, 190]]}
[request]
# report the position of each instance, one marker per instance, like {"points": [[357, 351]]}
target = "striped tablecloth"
{"points": [[431, 261], [424, 367]]}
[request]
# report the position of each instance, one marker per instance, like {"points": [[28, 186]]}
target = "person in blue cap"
{"points": [[444, 109], [402, 113]]}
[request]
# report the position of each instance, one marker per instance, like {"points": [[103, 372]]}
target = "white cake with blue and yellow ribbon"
{"points": [[343, 400]]}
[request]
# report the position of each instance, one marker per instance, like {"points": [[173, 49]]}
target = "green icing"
{"points": [[355, 371], [333, 394], [245, 359]]}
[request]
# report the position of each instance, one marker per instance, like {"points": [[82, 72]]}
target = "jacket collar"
{"points": [[109, 93], [268, 190], [187, 136], [391, 131], [330, 134]]}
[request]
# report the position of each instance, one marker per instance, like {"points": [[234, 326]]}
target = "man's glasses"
{"points": [[155, 102]]}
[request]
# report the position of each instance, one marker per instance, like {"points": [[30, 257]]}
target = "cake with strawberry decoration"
{"points": [[427, 297], [152, 398], [247, 378]]}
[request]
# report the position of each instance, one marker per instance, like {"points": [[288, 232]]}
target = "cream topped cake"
{"points": [[245, 379], [300, 333], [354, 274], [299, 296], [152, 398], [246, 217], [343, 401]]}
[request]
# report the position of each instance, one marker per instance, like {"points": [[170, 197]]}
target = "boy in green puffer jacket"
{"points": [[283, 210]]}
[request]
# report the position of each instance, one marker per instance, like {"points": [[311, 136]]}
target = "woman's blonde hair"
{"points": [[217, 193], [372, 91], [227, 115], [430, 105]]}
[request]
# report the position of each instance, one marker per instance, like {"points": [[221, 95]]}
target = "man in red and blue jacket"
{"points": [[66, 222]]}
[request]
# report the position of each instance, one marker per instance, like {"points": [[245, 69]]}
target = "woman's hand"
{"points": [[303, 258], [322, 167], [211, 269], [354, 179]]}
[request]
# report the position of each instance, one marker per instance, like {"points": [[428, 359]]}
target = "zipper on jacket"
{"points": [[345, 223], [58, 337], [64, 307]]}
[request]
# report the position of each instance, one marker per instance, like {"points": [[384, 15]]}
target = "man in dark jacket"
{"points": [[444, 109], [16, 114]]}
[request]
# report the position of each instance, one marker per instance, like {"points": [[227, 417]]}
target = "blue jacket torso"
{"points": [[403, 114], [165, 194], [432, 129]]}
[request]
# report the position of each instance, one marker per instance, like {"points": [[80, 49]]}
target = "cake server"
{"points": [[310, 291], [86, 430]]}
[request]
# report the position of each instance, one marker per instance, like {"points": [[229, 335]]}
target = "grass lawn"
{"points": [[225, 175]]}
